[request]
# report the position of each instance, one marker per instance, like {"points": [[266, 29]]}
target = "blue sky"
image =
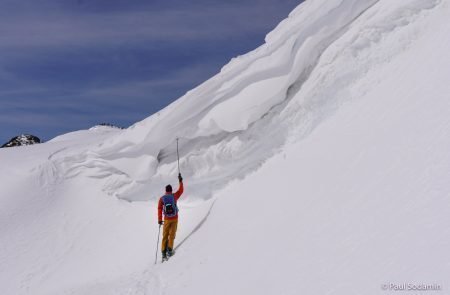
{"points": [[68, 65]]}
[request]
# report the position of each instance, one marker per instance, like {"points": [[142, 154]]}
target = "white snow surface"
{"points": [[316, 164]]}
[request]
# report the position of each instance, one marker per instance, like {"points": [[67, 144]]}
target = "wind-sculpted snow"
{"points": [[230, 124]]}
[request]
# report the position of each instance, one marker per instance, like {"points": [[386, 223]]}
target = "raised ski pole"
{"points": [[157, 243], [178, 158]]}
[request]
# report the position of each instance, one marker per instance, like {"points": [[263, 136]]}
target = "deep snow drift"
{"points": [[316, 164]]}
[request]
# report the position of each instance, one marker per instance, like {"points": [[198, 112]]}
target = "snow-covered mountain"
{"points": [[315, 164], [21, 140]]}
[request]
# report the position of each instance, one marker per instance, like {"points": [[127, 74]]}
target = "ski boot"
{"points": [[164, 256], [170, 252]]}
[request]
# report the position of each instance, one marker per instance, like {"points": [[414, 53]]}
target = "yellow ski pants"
{"points": [[169, 232]]}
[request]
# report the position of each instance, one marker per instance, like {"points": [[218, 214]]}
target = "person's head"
{"points": [[168, 188]]}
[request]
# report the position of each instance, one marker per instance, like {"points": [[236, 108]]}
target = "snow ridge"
{"points": [[219, 123]]}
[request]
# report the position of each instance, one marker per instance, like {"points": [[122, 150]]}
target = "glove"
{"points": [[180, 178], [160, 222]]}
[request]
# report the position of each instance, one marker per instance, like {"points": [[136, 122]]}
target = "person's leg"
{"points": [[172, 233], [165, 237]]}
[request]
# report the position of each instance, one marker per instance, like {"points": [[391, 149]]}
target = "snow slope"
{"points": [[316, 164]]}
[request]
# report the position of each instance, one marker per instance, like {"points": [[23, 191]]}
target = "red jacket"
{"points": [[177, 195]]}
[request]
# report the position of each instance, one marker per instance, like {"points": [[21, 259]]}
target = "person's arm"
{"points": [[180, 190], [160, 206]]}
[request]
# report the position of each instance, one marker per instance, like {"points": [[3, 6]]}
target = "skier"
{"points": [[168, 205]]}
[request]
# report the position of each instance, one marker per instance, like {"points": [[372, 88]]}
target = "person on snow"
{"points": [[168, 205]]}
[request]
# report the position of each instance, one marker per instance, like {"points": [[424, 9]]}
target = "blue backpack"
{"points": [[170, 208]]}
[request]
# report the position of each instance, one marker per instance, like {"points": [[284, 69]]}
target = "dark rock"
{"points": [[110, 125], [24, 139]]}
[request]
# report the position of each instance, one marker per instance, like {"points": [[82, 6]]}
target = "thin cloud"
{"points": [[63, 28]]}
